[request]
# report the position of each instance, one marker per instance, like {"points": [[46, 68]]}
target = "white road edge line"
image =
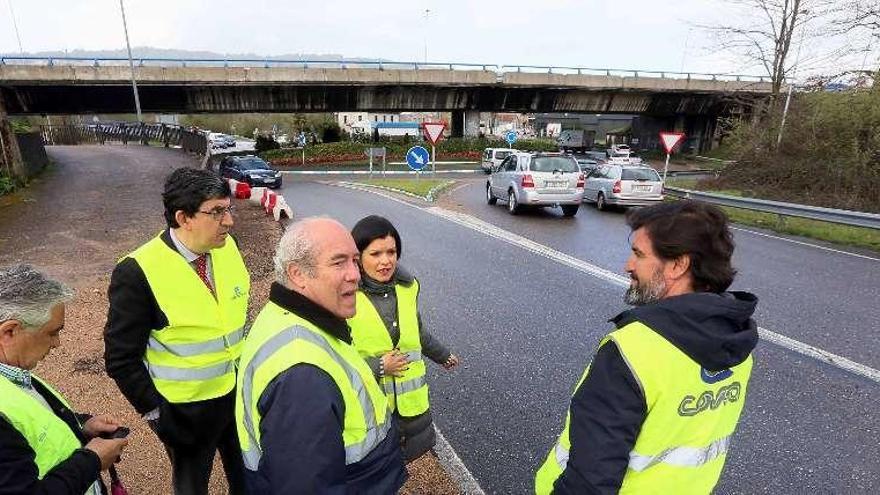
{"points": [[455, 468], [793, 241], [491, 230]]}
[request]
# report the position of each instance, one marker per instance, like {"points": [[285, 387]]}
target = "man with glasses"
{"points": [[177, 311]]}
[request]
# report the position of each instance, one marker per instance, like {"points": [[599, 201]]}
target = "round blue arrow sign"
{"points": [[510, 137], [417, 157]]}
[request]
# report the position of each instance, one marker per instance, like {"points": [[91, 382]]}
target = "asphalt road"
{"points": [[526, 325]]}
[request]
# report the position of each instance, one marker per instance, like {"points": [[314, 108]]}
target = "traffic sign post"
{"points": [[510, 137], [433, 133], [376, 152], [669, 140], [417, 158]]}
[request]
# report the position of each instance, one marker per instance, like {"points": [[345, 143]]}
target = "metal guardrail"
{"points": [[346, 64], [125, 132], [844, 217]]}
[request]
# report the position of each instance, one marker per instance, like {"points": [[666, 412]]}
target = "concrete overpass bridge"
{"points": [[45, 86]]}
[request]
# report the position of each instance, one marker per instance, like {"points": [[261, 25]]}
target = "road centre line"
{"points": [[491, 230], [802, 243]]}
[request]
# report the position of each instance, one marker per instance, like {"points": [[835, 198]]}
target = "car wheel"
{"points": [[512, 206], [490, 199], [570, 210], [601, 205]]}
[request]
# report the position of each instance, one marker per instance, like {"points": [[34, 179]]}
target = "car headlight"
{"points": [[277, 174]]}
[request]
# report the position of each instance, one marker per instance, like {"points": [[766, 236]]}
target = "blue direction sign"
{"points": [[510, 137], [417, 157]]}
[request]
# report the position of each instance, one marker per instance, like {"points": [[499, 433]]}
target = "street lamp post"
{"points": [[134, 87], [797, 59], [425, 34]]}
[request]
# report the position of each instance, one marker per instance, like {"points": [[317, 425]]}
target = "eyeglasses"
{"points": [[219, 213]]}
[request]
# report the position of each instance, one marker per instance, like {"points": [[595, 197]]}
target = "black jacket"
{"points": [[302, 413], [133, 314], [18, 469], [608, 409]]}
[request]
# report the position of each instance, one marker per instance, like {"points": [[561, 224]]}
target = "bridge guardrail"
{"points": [[380, 64], [189, 140], [833, 215]]}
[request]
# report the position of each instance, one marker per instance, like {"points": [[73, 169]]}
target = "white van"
{"points": [[492, 157]]}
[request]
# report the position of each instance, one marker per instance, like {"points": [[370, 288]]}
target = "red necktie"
{"points": [[202, 270]]}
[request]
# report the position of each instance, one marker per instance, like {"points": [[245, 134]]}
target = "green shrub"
{"points": [[265, 143], [330, 132], [21, 126], [7, 185], [829, 155]]}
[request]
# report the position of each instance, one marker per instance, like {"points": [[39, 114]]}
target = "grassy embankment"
{"points": [[804, 227], [419, 187]]}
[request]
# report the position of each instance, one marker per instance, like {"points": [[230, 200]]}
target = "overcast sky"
{"points": [[626, 34]]}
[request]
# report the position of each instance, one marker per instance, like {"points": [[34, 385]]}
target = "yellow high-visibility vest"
{"points": [[280, 340], [47, 435], [194, 357], [407, 393], [692, 415]]}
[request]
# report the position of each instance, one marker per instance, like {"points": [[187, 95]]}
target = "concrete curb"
{"points": [[455, 468], [430, 197]]}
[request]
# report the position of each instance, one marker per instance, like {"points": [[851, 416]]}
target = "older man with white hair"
{"points": [[44, 446], [311, 417]]}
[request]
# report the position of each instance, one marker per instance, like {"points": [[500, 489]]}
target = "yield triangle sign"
{"points": [[670, 139], [434, 131]]}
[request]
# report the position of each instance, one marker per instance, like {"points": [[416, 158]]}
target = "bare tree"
{"points": [[855, 15], [764, 35], [860, 18]]}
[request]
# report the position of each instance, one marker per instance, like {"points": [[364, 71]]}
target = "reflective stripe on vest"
{"points": [[46, 434], [408, 393], [681, 456], [193, 358], [683, 443], [173, 374], [365, 392], [194, 349]]}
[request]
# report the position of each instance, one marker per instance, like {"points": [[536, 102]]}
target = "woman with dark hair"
{"points": [[388, 332]]}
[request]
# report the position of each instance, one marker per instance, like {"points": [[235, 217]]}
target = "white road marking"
{"points": [[491, 230], [793, 241]]}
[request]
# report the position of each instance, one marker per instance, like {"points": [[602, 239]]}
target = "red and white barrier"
{"points": [[275, 205], [240, 190], [272, 202]]}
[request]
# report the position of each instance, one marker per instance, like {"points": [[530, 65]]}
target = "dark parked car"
{"points": [[251, 169]]}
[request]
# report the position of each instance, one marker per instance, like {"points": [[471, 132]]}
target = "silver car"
{"points": [[623, 185], [492, 157], [537, 179]]}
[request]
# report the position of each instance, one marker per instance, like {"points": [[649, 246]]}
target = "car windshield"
{"points": [[253, 164], [501, 155], [553, 163], [640, 174]]}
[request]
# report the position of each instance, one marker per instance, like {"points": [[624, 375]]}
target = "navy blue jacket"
{"points": [[302, 414]]}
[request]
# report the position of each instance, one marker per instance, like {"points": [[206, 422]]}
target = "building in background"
{"points": [[362, 122]]}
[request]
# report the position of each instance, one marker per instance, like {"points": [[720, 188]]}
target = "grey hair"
{"points": [[296, 247], [27, 295]]}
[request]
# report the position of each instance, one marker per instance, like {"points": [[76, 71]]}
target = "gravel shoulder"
{"points": [[95, 204]]}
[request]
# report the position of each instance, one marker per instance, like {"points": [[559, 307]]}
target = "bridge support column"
{"points": [[465, 123], [10, 154]]}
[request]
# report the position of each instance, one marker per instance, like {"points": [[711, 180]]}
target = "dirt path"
{"points": [[98, 203]]}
